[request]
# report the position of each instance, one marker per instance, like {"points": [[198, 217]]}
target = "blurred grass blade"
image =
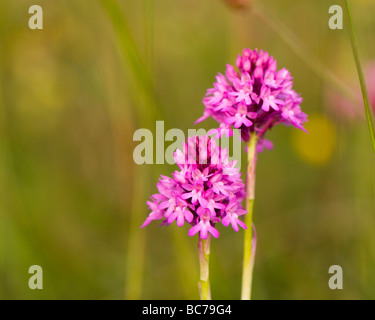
{"points": [[146, 114], [136, 245], [353, 40], [132, 56], [148, 8]]}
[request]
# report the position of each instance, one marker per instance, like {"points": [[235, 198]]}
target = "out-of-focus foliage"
{"points": [[71, 197]]}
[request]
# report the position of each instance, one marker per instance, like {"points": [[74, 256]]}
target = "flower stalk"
{"points": [[353, 40], [249, 246], [204, 261]]}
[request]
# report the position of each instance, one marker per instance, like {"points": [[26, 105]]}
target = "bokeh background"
{"points": [[72, 198]]}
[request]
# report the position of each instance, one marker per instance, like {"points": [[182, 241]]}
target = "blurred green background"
{"points": [[72, 198]]}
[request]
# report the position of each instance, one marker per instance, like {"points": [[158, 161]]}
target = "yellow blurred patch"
{"points": [[317, 146]]}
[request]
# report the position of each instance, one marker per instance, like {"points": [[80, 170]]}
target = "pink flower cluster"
{"points": [[206, 190], [255, 98]]}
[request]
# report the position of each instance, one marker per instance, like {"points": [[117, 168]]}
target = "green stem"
{"points": [[369, 115], [248, 257], [204, 261]]}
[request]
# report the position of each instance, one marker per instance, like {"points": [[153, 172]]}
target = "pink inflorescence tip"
{"points": [[253, 98], [206, 190]]}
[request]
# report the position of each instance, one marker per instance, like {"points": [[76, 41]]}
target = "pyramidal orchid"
{"points": [[254, 98], [205, 191]]}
